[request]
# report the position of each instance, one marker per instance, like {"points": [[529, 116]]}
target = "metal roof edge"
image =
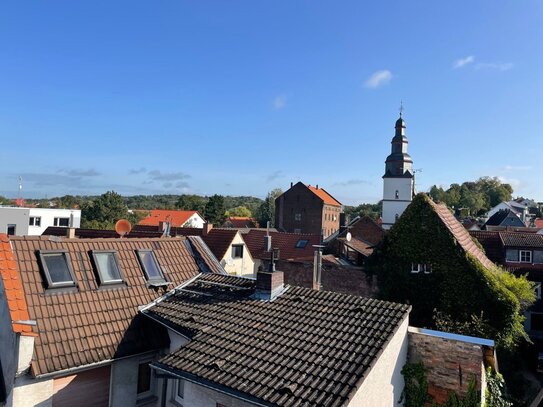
{"points": [[451, 336]]}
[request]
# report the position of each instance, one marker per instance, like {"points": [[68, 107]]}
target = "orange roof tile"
{"points": [[460, 233], [13, 287], [177, 218], [325, 196]]}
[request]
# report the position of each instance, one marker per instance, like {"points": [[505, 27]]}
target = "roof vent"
{"points": [[216, 364], [287, 389], [359, 308], [190, 318], [298, 298]]}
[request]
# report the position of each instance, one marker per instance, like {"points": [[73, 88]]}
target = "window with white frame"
{"points": [[237, 251], [397, 194], [525, 256], [34, 221], [179, 392], [421, 268], [64, 222], [145, 383]]}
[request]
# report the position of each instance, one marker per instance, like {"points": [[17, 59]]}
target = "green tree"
{"points": [[371, 210], [214, 211], [191, 203], [105, 211], [266, 211], [240, 211]]}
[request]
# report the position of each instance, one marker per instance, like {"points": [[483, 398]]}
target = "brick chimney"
{"points": [[207, 228], [270, 283], [317, 268]]}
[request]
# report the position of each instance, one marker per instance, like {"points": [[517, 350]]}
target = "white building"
{"points": [[398, 181], [16, 221]]}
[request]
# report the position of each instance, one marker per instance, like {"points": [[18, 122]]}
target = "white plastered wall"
{"points": [[384, 383]]}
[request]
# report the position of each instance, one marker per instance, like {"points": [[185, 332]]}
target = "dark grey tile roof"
{"points": [[304, 348], [519, 239]]}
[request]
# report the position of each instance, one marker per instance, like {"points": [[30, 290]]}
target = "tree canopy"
{"points": [[105, 211], [266, 211], [477, 197], [214, 210]]}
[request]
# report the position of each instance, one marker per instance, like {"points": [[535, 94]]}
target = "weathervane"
{"points": [[401, 108]]}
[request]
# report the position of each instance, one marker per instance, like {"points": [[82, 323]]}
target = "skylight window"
{"points": [[150, 266], [57, 269], [107, 267], [301, 243]]}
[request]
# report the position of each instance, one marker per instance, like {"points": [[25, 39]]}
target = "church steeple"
{"points": [[398, 179], [399, 163]]}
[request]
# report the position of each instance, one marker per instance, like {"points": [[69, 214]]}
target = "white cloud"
{"points": [[517, 168], [505, 66], [279, 102], [378, 78], [459, 63], [515, 183]]}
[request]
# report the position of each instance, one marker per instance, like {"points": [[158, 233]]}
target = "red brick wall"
{"points": [[450, 364], [342, 279], [301, 200]]}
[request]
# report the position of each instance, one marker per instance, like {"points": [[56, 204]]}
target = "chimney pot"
{"points": [[207, 228], [70, 233]]}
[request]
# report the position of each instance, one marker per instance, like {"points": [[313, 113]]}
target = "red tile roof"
{"points": [[13, 287], [219, 240], [538, 223], [91, 323], [286, 242], [177, 218], [325, 196], [460, 233]]}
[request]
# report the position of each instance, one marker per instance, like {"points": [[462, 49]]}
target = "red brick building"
{"points": [[307, 209]]}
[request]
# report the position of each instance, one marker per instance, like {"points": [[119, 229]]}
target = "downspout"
{"points": [[164, 389]]}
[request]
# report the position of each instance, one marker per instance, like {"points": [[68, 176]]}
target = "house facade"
{"points": [[16, 221], [307, 209], [73, 307]]}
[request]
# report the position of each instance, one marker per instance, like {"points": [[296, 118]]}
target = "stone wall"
{"points": [[451, 361]]}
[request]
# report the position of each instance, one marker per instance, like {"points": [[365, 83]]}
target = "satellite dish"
{"points": [[348, 236], [229, 261], [122, 227]]}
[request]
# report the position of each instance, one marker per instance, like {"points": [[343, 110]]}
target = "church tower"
{"points": [[398, 181]]}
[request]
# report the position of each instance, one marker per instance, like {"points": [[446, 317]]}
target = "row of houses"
{"points": [[158, 321]]}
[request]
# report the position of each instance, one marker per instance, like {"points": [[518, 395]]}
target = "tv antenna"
{"points": [[20, 187]]}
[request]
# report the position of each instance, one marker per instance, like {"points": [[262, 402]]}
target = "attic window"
{"points": [[150, 266], [56, 268], [301, 243], [107, 267]]}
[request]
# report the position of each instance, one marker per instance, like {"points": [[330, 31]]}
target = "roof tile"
{"points": [[99, 322], [283, 352]]}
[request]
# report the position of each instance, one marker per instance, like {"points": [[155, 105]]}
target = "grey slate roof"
{"points": [[304, 348]]}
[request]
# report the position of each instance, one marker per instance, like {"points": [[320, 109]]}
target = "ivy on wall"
{"points": [[460, 294]]}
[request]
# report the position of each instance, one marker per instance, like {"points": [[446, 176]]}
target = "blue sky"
{"points": [[240, 97]]}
